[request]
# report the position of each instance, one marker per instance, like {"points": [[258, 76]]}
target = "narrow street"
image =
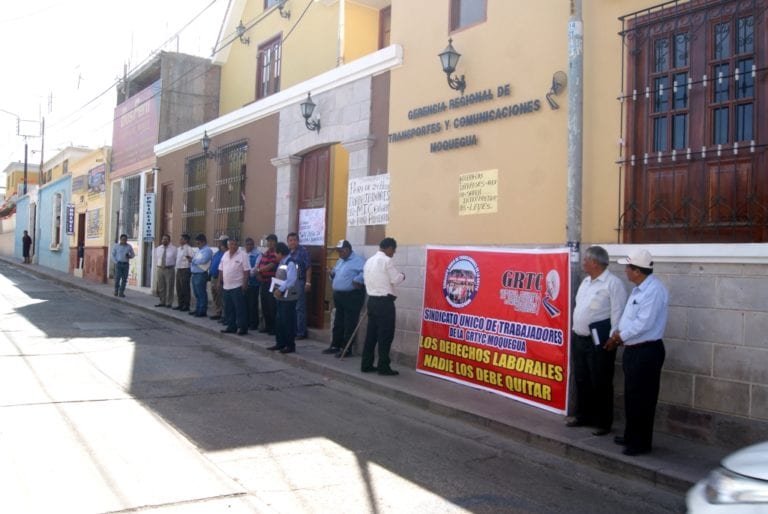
{"points": [[110, 409]]}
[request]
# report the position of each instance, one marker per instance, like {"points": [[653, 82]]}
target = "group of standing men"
{"points": [[278, 280], [352, 277], [604, 319]]}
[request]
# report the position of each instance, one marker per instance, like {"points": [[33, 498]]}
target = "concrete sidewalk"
{"points": [[675, 463]]}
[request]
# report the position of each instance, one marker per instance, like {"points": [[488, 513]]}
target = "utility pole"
{"points": [[25, 165], [575, 142]]}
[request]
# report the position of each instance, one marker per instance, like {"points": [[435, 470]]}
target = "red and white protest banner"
{"points": [[499, 320]]}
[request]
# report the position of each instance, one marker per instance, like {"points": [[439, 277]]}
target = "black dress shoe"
{"points": [[168, 306], [301, 338], [632, 451], [121, 295], [228, 331], [287, 350], [601, 431], [215, 317], [274, 347], [160, 305], [575, 423], [200, 315], [242, 332], [177, 308], [348, 353], [388, 372], [332, 349], [184, 309], [619, 439], [369, 369], [192, 313]]}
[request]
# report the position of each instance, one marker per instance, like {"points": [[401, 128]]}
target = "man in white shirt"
{"points": [[234, 271], [165, 262], [184, 257], [380, 276], [641, 328], [600, 301]]}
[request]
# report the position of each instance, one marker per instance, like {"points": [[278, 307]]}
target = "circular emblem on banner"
{"points": [[553, 284], [461, 281]]}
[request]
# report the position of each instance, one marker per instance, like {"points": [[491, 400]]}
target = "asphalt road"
{"points": [[104, 409]]}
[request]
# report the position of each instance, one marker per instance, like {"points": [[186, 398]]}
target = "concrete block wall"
{"points": [[714, 384], [715, 377]]}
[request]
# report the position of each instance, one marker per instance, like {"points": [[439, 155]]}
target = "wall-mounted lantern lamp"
{"points": [[206, 144], [559, 81], [285, 13], [449, 58], [241, 34], [307, 108]]}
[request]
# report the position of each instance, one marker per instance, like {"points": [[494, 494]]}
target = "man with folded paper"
{"points": [[600, 301]]}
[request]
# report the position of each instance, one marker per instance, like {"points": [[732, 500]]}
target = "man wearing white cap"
{"points": [[640, 330]]}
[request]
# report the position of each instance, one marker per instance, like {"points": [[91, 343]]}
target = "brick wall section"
{"points": [[715, 378]]}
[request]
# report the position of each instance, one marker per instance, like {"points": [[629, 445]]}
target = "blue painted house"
{"points": [[52, 241]]}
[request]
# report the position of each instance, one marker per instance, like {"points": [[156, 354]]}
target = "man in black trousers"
{"points": [[380, 276]]}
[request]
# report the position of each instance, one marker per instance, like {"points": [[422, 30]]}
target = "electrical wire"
{"points": [[253, 22]]}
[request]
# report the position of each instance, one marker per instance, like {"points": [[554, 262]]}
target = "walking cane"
{"points": [[352, 337]]}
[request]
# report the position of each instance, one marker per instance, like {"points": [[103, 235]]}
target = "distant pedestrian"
{"points": [[381, 277], [600, 301], [183, 274], [165, 263], [252, 293], [234, 271], [122, 253], [26, 245], [641, 328], [267, 267], [348, 296], [215, 277], [199, 267], [286, 291]]}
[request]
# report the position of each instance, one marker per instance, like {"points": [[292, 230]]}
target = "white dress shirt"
{"points": [[380, 275], [181, 256], [597, 299], [170, 256]]}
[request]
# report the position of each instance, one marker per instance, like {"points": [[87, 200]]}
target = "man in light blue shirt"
{"points": [[348, 296], [252, 293], [640, 330], [122, 253], [199, 265]]}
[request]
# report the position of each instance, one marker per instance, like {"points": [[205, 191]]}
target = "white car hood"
{"points": [[751, 461]]}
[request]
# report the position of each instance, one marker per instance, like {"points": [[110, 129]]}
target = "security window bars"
{"points": [[230, 190], [694, 74], [194, 194], [130, 211]]}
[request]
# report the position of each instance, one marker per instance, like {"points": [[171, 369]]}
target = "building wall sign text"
{"points": [[476, 118]]}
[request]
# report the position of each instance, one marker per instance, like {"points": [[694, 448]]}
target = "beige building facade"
{"points": [[671, 158]]}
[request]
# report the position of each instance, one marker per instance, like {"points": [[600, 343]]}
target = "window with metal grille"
{"points": [[230, 190], [695, 145], [194, 194], [268, 79], [130, 211]]}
